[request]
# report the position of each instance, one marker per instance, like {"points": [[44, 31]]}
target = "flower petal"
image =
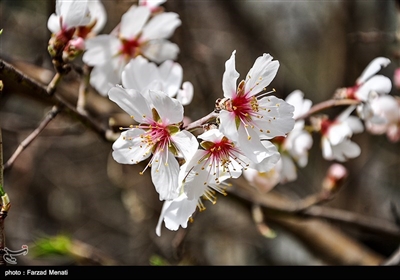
{"points": [[53, 23], [160, 50], [277, 117], [100, 49], [74, 13], [372, 68], [228, 125], [133, 21], [129, 147], [185, 95], [98, 13], [131, 102], [261, 74], [161, 26], [171, 75], [229, 79], [139, 73], [104, 77], [169, 109], [164, 175], [377, 84], [176, 213], [186, 143]]}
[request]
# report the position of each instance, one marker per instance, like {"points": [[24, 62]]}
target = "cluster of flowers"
{"points": [[252, 132]]}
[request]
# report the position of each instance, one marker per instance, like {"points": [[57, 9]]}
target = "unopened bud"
{"points": [[73, 49], [396, 78], [335, 177]]}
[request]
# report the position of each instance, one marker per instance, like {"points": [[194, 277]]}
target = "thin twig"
{"points": [[365, 222], [45, 93], [327, 104], [199, 123], [28, 140], [83, 91], [276, 203]]}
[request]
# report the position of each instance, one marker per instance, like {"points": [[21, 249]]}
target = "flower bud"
{"points": [[335, 177], [73, 49]]}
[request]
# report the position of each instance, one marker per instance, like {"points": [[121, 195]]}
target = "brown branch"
{"points": [[331, 244], [346, 217], [275, 203], [45, 93], [199, 123], [327, 104], [25, 143]]}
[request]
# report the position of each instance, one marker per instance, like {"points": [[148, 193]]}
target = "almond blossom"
{"points": [[386, 117], [294, 148], [247, 113], [73, 22], [139, 33], [368, 86], [336, 134], [140, 73], [158, 134]]}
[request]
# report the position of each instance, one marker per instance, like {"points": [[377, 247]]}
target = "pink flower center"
{"points": [[325, 125], [157, 136], [220, 154], [130, 48]]}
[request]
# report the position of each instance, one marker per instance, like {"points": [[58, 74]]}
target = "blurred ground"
{"points": [[67, 183]]}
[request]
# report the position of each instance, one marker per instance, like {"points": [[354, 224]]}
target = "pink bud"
{"points": [[334, 177], [77, 43], [396, 78]]}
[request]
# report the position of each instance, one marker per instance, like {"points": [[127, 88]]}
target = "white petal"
{"points": [[169, 109], [186, 143], [139, 73], [129, 147], [355, 124], [271, 160], [228, 125], [338, 132], [229, 79], [74, 13], [53, 24], [345, 150], [372, 68], [277, 117], [185, 95], [261, 74], [133, 20], [327, 152], [100, 49], [160, 50], [161, 26], [98, 13], [377, 84], [164, 175], [288, 171], [249, 143], [301, 105], [131, 102], [171, 75], [104, 77], [176, 213]]}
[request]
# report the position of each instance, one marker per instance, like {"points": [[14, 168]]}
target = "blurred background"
{"points": [[71, 198]]}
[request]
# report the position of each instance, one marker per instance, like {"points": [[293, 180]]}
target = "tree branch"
{"points": [[45, 93], [49, 117]]}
